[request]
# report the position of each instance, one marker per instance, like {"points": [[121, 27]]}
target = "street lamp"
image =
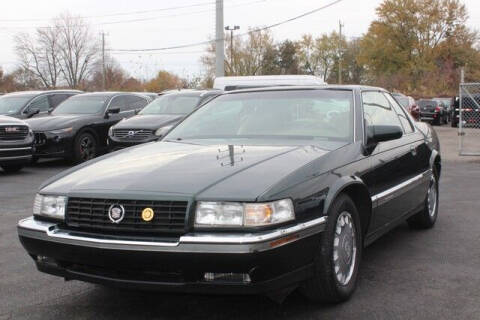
{"points": [[231, 29]]}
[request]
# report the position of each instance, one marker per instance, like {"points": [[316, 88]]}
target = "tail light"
{"points": [[468, 110]]}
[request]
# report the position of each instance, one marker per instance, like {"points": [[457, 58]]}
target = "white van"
{"points": [[245, 82]]}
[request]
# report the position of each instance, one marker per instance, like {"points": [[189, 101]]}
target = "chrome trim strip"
{"points": [[15, 158], [16, 149], [400, 186], [198, 243]]}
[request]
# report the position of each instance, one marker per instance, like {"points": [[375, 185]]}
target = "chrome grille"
{"points": [[13, 132], [92, 215], [132, 134]]}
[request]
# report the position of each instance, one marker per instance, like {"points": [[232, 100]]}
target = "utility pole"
{"points": [[104, 78], [219, 39], [462, 75], [231, 29], [340, 53]]}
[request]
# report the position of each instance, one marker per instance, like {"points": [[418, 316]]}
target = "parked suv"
{"points": [[77, 130], [157, 117], [16, 144], [432, 111], [26, 104], [447, 107]]}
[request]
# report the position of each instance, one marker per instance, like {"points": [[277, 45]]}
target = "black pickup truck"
{"points": [[16, 144]]}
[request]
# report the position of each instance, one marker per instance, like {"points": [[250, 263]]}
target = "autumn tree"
{"points": [[164, 81], [401, 49]]}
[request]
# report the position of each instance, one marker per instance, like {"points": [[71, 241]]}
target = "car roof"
{"points": [[322, 87], [111, 94], [39, 92], [192, 92]]}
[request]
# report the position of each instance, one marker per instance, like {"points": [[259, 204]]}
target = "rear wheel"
{"points": [[85, 147], [426, 218], [338, 257], [12, 168]]}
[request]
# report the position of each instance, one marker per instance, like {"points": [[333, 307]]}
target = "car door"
{"points": [[391, 163], [40, 103]]}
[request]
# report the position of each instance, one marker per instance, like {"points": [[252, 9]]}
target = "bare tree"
{"points": [[78, 49], [39, 55]]}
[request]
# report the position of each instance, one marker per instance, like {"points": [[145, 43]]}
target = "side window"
{"points": [[134, 102], [56, 99], [119, 102], [377, 110], [40, 103], [407, 125]]}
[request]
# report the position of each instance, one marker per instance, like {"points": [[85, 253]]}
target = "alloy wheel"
{"points": [[344, 248], [432, 197], [87, 148]]}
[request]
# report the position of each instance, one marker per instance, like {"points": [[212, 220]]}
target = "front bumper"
{"points": [[19, 154], [272, 259], [48, 145]]}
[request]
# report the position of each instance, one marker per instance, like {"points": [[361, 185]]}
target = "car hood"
{"points": [[53, 122], [10, 120], [151, 121], [165, 169]]}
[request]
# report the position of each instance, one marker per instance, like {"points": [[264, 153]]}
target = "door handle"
{"points": [[413, 150]]}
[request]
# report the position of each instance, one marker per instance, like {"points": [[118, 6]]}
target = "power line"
{"points": [[133, 20], [119, 14], [238, 35]]}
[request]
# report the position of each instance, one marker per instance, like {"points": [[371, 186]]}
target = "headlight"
{"points": [[162, 131], [235, 214], [61, 131], [50, 206]]}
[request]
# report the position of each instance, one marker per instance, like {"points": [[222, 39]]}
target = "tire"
{"points": [[12, 168], [84, 148], [328, 286], [426, 218]]}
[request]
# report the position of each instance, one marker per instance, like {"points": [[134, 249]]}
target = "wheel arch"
{"points": [[436, 161], [356, 189]]}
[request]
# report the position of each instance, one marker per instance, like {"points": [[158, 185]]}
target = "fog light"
{"points": [[228, 277]]}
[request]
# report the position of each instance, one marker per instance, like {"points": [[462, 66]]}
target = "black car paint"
{"points": [[17, 151], [312, 176], [51, 145], [153, 122], [26, 113]]}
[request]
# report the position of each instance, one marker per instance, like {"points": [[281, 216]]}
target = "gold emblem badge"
{"points": [[147, 214]]}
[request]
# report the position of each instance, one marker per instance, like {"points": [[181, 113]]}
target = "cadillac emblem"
{"points": [[116, 213], [147, 214]]}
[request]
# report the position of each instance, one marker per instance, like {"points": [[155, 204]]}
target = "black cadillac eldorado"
{"points": [[258, 191]]}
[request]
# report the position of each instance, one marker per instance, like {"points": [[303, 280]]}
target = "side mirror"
{"points": [[31, 112], [114, 110], [377, 134]]}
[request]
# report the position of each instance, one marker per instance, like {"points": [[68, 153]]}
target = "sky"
{"points": [[163, 23]]}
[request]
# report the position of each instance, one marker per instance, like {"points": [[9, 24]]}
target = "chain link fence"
{"points": [[468, 114]]}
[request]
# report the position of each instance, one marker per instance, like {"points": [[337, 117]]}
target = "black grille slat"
{"points": [[13, 132], [92, 215]]}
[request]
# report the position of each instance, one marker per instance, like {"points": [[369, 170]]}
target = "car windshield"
{"points": [[427, 103], [301, 115], [171, 104], [82, 105], [445, 101], [11, 105]]}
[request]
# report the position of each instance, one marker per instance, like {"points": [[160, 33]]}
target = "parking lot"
{"points": [[407, 274]]}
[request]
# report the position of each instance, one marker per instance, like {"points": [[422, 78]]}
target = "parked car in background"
{"points": [[16, 144], [157, 117], [409, 104], [151, 95], [447, 104], [470, 111], [26, 104], [78, 128], [256, 192], [432, 111], [245, 82]]}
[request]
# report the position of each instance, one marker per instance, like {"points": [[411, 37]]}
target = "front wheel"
{"points": [[85, 147], [338, 257], [426, 218]]}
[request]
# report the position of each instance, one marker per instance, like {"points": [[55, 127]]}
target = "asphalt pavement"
{"points": [[407, 274]]}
